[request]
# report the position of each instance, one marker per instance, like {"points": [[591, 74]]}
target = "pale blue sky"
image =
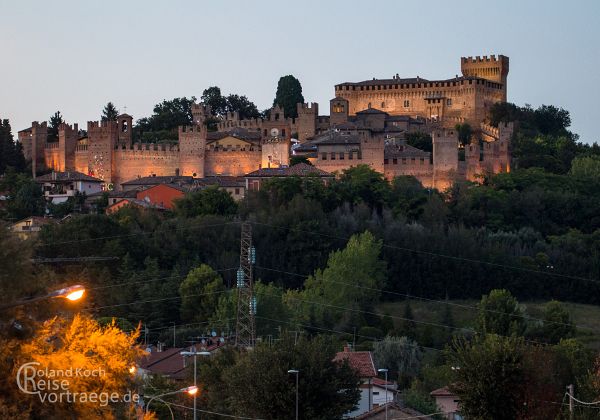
{"points": [[75, 56]]}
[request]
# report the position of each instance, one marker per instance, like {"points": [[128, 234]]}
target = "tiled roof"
{"points": [[361, 361], [410, 80], [442, 392], [155, 180], [237, 132], [301, 169], [395, 411], [335, 137], [168, 362], [402, 150], [371, 111], [67, 176], [140, 203]]}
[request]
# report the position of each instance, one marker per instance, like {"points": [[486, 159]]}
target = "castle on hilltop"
{"points": [[367, 124]]}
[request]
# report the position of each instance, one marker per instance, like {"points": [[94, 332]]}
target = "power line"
{"points": [[525, 317], [215, 413], [157, 300], [434, 254], [153, 280], [134, 234], [342, 308]]}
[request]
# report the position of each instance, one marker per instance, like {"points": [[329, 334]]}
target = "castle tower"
{"points": [[445, 157], [338, 111], [102, 140], [372, 152], [306, 123], [67, 142], [490, 68], [39, 137], [192, 144], [200, 113], [125, 122]]}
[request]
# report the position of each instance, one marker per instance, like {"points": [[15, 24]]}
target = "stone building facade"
{"points": [[367, 123], [108, 153], [461, 99]]}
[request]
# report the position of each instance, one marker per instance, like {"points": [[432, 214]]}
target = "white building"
{"points": [[59, 186], [362, 362], [379, 392]]}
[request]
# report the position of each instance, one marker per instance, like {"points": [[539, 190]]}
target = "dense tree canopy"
{"points": [[11, 152], [110, 112], [289, 95]]}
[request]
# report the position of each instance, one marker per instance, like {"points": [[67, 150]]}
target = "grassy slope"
{"points": [[586, 317]]}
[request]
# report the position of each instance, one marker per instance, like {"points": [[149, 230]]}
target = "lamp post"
{"points": [[192, 390], [195, 354], [71, 293], [295, 372], [386, 391]]}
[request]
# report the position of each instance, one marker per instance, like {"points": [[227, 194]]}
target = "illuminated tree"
{"points": [[103, 356]]}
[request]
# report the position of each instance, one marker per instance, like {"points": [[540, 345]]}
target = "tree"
{"points": [[489, 377], [211, 200], [243, 106], [294, 160], [259, 385], [60, 344], [350, 283], [419, 140], [464, 133], [110, 113], [499, 313], [557, 323], [11, 153], [586, 167], [363, 184], [213, 98], [408, 327], [400, 355], [289, 95], [200, 292], [55, 121], [164, 122]]}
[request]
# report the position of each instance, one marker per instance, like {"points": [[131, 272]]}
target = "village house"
{"points": [[58, 187]]}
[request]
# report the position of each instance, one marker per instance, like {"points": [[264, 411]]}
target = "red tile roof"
{"points": [[361, 361], [442, 392]]}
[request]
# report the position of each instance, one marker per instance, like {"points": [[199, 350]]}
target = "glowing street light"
{"points": [[71, 293], [191, 390]]}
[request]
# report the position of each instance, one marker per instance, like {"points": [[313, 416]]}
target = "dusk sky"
{"points": [[75, 56]]}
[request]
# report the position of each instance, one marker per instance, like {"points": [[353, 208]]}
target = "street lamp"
{"points": [[195, 353], [386, 390], [192, 390], [71, 293], [295, 372]]}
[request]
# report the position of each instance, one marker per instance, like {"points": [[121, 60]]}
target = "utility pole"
{"points": [[570, 392], [245, 330]]}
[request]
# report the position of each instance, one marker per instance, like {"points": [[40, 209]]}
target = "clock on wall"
{"points": [[274, 132]]}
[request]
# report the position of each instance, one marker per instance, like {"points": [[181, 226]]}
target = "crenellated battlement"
{"points": [[191, 129], [310, 107], [36, 124], [484, 58], [69, 127], [102, 126]]}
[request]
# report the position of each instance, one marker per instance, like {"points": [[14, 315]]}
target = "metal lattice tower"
{"points": [[245, 330]]}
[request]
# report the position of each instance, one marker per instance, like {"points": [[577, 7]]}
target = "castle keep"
{"points": [[367, 124]]}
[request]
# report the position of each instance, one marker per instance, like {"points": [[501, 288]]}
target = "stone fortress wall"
{"points": [[109, 153]]}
